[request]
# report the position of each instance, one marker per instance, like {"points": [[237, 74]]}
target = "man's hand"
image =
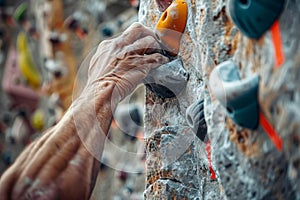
{"points": [[62, 163], [126, 60]]}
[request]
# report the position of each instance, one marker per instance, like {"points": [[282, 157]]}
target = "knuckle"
{"points": [[150, 40], [103, 44], [136, 25]]}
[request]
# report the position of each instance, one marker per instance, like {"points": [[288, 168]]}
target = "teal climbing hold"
{"points": [[239, 97], [254, 17]]}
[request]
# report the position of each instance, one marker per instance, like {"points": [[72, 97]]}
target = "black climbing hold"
{"points": [[54, 40], [255, 17], [130, 119], [57, 74], [168, 80], [2, 3], [239, 97], [195, 119], [7, 158], [22, 113], [107, 32], [72, 23]]}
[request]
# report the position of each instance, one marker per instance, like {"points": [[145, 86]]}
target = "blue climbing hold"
{"points": [[255, 17], [239, 97]]}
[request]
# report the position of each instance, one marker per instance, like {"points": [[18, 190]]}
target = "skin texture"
{"points": [[63, 162]]}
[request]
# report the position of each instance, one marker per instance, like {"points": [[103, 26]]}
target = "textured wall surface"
{"points": [[247, 164]]}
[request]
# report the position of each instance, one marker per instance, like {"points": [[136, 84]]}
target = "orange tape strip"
{"points": [[273, 135], [208, 153], [277, 43]]}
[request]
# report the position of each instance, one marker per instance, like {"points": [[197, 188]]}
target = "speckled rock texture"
{"points": [[247, 164]]}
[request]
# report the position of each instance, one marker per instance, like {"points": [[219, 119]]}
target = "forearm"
{"points": [[61, 164], [91, 114]]}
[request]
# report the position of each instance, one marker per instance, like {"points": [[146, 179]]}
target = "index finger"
{"points": [[135, 32]]}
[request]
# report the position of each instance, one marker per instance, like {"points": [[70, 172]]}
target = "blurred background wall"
{"points": [[59, 34]]}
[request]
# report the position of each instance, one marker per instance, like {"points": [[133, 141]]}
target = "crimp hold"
{"points": [[168, 80]]}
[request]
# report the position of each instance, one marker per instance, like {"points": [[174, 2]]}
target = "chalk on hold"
{"points": [[255, 17], [168, 80], [171, 25], [238, 96], [195, 119]]}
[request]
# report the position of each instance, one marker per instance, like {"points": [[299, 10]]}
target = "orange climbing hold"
{"points": [[171, 25], [273, 135], [277, 43]]}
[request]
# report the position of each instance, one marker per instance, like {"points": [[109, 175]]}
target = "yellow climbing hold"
{"points": [[38, 120], [26, 64]]}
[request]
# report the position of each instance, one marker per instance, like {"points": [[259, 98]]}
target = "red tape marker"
{"points": [[273, 135], [208, 153], [277, 43]]}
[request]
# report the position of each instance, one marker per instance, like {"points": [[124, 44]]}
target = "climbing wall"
{"points": [[246, 162]]}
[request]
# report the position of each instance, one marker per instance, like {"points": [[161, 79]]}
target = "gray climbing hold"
{"points": [[195, 119], [238, 96], [168, 80]]}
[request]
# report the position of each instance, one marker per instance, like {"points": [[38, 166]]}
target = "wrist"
{"points": [[97, 100], [101, 95]]}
